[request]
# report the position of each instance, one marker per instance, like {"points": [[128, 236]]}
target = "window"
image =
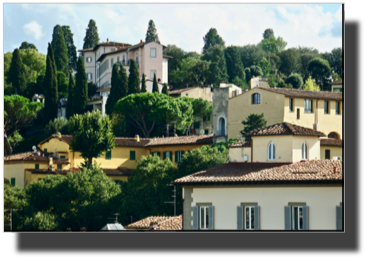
{"points": [[204, 217], [63, 157], [153, 53], [297, 114], [167, 155], [59, 167], [338, 111], [197, 125], [152, 72], [137, 60], [108, 155], [157, 153], [36, 166], [304, 151], [326, 107], [97, 72], [118, 59], [221, 127], [112, 62], [256, 98], [249, 217], [206, 131], [207, 118], [271, 151], [333, 135], [45, 150], [124, 58], [296, 216], [13, 181], [327, 154], [132, 155], [308, 106], [291, 105], [89, 76], [178, 156], [88, 59]]}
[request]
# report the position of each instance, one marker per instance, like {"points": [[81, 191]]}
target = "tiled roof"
{"points": [[149, 142], [117, 171], [158, 223], [297, 93], [284, 129], [330, 142], [30, 156], [314, 171], [239, 144], [166, 56], [336, 83], [109, 44], [180, 90]]}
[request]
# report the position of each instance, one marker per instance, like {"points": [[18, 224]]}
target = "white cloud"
{"points": [[33, 29]]}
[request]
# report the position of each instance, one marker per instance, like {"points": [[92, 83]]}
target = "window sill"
{"points": [[308, 112]]}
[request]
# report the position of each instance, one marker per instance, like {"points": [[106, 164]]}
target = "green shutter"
{"points": [[206, 131], [287, 217], [132, 155], [305, 218], [13, 181], [108, 155], [159, 154], [239, 211], [339, 217], [257, 217], [164, 155], [170, 156], [45, 150], [195, 217], [211, 217], [36, 166], [176, 156]]}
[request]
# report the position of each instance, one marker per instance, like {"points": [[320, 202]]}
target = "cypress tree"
{"points": [[134, 78], [72, 52], [91, 38], [50, 87], [81, 89], [217, 68], [123, 82], [16, 73], [155, 84], [114, 91], [60, 50], [70, 104], [212, 39], [165, 89], [234, 64], [151, 33], [143, 84]]}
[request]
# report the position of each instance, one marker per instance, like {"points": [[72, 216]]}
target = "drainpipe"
{"points": [[251, 150]]}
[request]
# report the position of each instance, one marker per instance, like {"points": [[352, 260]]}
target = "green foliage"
{"points": [[59, 124], [26, 45], [151, 33], [60, 50], [165, 89], [201, 108], [91, 135], [290, 61], [335, 60], [134, 78], [336, 77], [91, 38], [80, 89], [122, 82], [240, 83], [14, 197], [305, 59], [311, 85], [43, 221], [273, 45], [272, 83], [234, 64], [192, 72], [247, 73], [50, 87], [16, 73], [155, 84], [72, 53], [212, 39], [143, 83], [114, 91], [119, 126], [295, 80], [256, 71], [217, 67], [70, 103], [251, 55], [177, 55], [305, 50], [92, 89], [222, 146], [15, 139], [253, 121], [62, 85], [319, 69], [265, 66], [268, 33]]}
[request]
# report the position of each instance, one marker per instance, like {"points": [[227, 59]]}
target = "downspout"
{"points": [[251, 150]]}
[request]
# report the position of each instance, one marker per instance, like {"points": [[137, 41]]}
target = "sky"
{"points": [[183, 25]]}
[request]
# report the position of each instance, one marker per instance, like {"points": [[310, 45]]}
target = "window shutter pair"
{"points": [[240, 217], [288, 218], [196, 217], [339, 217]]}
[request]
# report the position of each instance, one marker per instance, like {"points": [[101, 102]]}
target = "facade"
{"points": [[336, 86], [260, 82], [331, 148]]}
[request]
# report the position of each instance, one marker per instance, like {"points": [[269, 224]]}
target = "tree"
{"points": [[311, 85], [91, 38], [217, 67], [336, 77], [290, 61], [251, 55], [70, 103], [143, 83], [134, 78], [16, 74], [295, 80], [240, 83], [26, 45], [335, 60], [155, 85], [305, 58], [265, 66], [92, 89], [253, 121], [177, 55], [123, 82], [268, 33], [255, 71], [72, 53], [18, 114], [234, 64], [201, 108], [81, 89], [197, 75], [60, 50], [50, 87], [212, 39], [273, 45], [187, 73], [319, 69], [165, 89], [151, 33], [91, 135], [59, 124], [114, 91], [62, 85], [14, 197]]}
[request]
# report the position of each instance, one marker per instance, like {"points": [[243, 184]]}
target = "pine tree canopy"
{"points": [[151, 33], [26, 45], [60, 50], [143, 84], [81, 89], [268, 33], [72, 52], [212, 39], [123, 82], [155, 84], [234, 63], [91, 38], [217, 68], [134, 78], [253, 121], [16, 73]]}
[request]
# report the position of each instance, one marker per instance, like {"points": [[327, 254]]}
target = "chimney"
{"points": [[141, 41], [335, 170], [137, 138], [175, 135], [107, 40]]}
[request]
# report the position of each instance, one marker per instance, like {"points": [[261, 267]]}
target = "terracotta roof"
{"points": [[30, 156], [314, 171], [158, 223], [166, 56], [330, 142], [336, 83], [181, 90], [109, 44], [239, 144], [117, 171], [297, 93], [285, 129]]}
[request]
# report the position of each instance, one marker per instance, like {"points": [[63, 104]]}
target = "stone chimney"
{"points": [[107, 41], [137, 138]]}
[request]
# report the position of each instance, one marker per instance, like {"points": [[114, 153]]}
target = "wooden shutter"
{"points": [[305, 217], [239, 211], [164, 155], [36, 166], [170, 156], [176, 156], [211, 217], [13, 181], [339, 217], [287, 217], [195, 217], [257, 218]]}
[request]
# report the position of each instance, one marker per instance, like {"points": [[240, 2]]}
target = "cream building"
{"points": [[336, 86]]}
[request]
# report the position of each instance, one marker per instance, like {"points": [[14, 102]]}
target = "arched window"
{"points": [[333, 135], [304, 151], [256, 98], [271, 151], [221, 126]]}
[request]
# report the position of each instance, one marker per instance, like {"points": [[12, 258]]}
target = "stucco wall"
{"points": [[220, 109], [237, 154], [335, 151], [283, 148], [322, 202], [313, 143]]}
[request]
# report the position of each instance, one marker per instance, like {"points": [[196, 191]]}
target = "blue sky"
{"points": [[184, 25]]}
